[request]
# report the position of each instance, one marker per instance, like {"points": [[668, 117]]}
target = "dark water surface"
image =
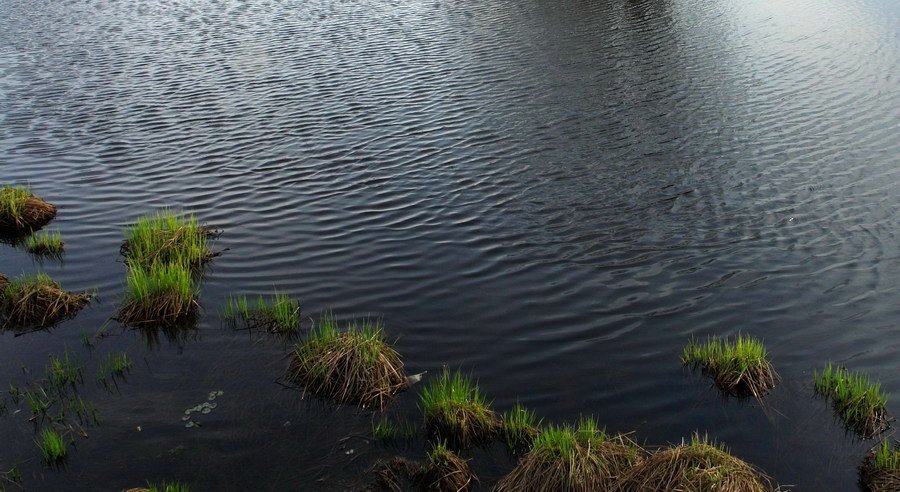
{"points": [[551, 195]]}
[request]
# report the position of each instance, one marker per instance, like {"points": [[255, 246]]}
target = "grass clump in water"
{"points": [[519, 426], [573, 458], [279, 315], [165, 487], [52, 445], [36, 300], [163, 294], [881, 470], [354, 366], [456, 411], [45, 243], [63, 372], [167, 238], [700, 466], [21, 212], [386, 430], [444, 471], [857, 400], [740, 367]]}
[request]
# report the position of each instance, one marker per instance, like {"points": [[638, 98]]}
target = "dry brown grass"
{"points": [[24, 214], [444, 471], [696, 466], [354, 366], [582, 459], [36, 301]]}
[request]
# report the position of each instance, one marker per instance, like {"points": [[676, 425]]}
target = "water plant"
{"points": [[519, 426], [573, 458], [386, 430], [62, 372], [355, 365], [165, 487], [45, 243], [167, 237], [880, 471], [455, 410], [36, 300], [162, 294], [21, 212], [859, 401], [115, 365], [281, 314], [700, 465], [444, 471], [52, 445], [740, 366]]}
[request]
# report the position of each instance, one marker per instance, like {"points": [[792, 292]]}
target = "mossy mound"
{"points": [[582, 458], [880, 472], [36, 301], [456, 411], [698, 466], [354, 366], [21, 212]]}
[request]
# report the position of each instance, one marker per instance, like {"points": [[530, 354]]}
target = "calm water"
{"points": [[550, 195]]}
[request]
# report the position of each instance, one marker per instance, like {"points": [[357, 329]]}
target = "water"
{"points": [[550, 195]]}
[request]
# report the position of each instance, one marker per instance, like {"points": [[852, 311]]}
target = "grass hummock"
{"points": [[456, 411], [167, 238], [36, 300], [281, 314], [881, 470], [355, 365], [45, 243], [162, 294], [858, 401], [700, 465], [575, 458], [21, 212], [739, 367], [444, 471], [519, 426], [52, 445]]}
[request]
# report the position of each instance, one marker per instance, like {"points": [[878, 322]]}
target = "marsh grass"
{"points": [[21, 212], [45, 243], [167, 238], [355, 365], [63, 372], [859, 401], [519, 426], [880, 471], [456, 411], [115, 365], [739, 367], [578, 458], [700, 465], [37, 301], [165, 487], [386, 430], [52, 445], [163, 294], [281, 314], [444, 471]]}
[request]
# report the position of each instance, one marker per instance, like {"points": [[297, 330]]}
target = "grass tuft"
{"points": [[857, 400], [456, 411], [45, 243], [163, 294], [165, 487], [699, 465], [519, 426], [63, 372], [880, 471], [36, 300], [739, 367], [52, 446], [281, 314], [444, 471], [354, 366], [577, 458], [21, 212], [386, 430], [167, 238]]}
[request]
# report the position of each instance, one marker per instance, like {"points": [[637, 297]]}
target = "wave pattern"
{"points": [[552, 195]]}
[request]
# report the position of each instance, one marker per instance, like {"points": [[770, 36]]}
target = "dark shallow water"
{"points": [[551, 195]]}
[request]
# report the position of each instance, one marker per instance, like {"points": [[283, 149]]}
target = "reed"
{"points": [[52, 445], [880, 471], [860, 402], [166, 237], [163, 294], [355, 365], [456, 411], [577, 458], [281, 314], [700, 465], [740, 367], [36, 300], [21, 212]]}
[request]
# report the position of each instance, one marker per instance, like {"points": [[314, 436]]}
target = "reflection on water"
{"points": [[552, 196]]}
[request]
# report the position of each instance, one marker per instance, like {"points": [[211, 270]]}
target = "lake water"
{"points": [[550, 195]]}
